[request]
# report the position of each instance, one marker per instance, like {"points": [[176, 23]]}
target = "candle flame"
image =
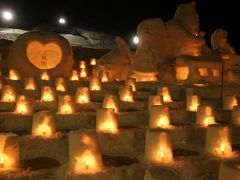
{"points": [[45, 76], [163, 122], [93, 62]]}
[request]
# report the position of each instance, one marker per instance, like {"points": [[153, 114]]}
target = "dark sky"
{"points": [[121, 17]]}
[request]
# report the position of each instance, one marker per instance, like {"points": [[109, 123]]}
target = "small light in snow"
{"points": [[7, 15], [135, 40], [62, 21]]}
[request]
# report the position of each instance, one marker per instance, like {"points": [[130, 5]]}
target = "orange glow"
{"points": [[86, 163], [94, 84], [22, 106], [154, 100], [110, 102], [44, 130], [14, 75], [164, 91], [83, 72], [104, 76], [8, 94], [182, 73], [60, 84], [47, 94], [215, 72], [192, 103], [203, 72], [126, 94], [5, 162], [29, 83], [163, 122], [224, 149], [82, 95], [60, 87], [82, 64], [65, 105], [45, 76], [74, 76], [229, 102], [131, 82], [106, 121], [209, 120], [200, 85], [93, 62]]}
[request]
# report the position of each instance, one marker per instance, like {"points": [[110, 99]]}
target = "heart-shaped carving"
{"points": [[44, 56]]}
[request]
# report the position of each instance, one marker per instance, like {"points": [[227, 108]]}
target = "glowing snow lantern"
{"points": [[94, 84], [218, 140], [82, 64], [60, 84], [111, 102], [14, 74], [203, 72], [84, 152], [106, 121], [29, 83], [159, 116], [229, 102], [158, 148], [93, 62], [9, 151], [48, 94], [193, 102], [66, 105], [236, 115], [182, 73], [165, 93], [126, 93], [24, 105], [154, 100], [205, 116], [104, 76], [82, 95], [229, 169], [83, 73], [44, 124], [45, 76], [131, 82], [8, 94], [74, 76]]}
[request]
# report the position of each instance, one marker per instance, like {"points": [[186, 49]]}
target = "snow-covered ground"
{"points": [[83, 38]]}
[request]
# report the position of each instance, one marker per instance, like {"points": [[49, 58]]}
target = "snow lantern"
{"points": [[9, 94], [159, 116], [111, 101], [29, 83], [44, 124], [82, 65], [94, 84], [85, 155], [74, 76], [193, 102], [93, 61], [229, 102], [24, 105], [14, 74], [165, 93], [48, 94], [154, 100], [104, 75], [60, 84], [45, 75], [66, 104], [126, 93], [205, 116], [82, 95], [83, 73], [106, 121], [131, 82]]}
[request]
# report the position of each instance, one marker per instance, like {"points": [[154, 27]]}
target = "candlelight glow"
{"points": [[86, 163], [82, 64], [83, 72], [131, 82], [159, 117], [82, 95], [111, 102], [104, 76], [94, 84], [165, 93], [229, 102], [182, 72], [23, 105], [74, 76], [44, 124], [60, 84], [14, 75], [8, 94], [154, 100], [158, 148], [47, 94], [203, 72], [45, 76], [106, 121], [93, 62], [215, 72], [205, 116], [193, 102], [29, 83], [218, 141], [65, 105], [125, 93], [5, 162]]}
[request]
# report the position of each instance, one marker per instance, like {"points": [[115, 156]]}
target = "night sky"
{"points": [[121, 17]]}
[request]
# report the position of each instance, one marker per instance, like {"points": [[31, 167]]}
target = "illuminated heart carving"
{"points": [[44, 56]]}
